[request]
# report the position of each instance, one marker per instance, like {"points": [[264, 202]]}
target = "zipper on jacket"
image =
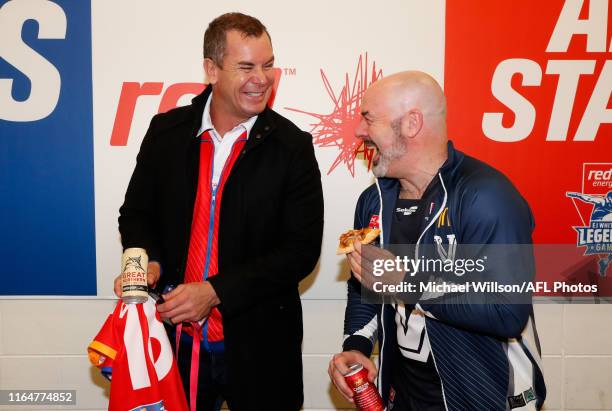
{"points": [[211, 228], [382, 309], [211, 224], [416, 255], [213, 204]]}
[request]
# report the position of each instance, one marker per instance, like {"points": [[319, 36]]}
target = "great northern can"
{"points": [[134, 264], [365, 394]]}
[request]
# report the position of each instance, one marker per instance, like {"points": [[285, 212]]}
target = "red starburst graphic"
{"points": [[337, 129]]}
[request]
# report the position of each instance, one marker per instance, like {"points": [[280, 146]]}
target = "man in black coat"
{"points": [[226, 198]]}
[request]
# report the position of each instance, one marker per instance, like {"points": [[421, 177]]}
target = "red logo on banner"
{"points": [[337, 129], [528, 87], [597, 178], [132, 91]]}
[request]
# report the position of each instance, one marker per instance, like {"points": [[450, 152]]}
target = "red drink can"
{"points": [[366, 395]]}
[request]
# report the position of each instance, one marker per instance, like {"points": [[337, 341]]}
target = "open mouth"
{"points": [[255, 94], [371, 146]]}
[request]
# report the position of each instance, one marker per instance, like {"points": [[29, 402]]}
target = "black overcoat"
{"points": [[270, 230]]}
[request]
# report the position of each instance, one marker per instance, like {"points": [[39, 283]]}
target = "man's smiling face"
{"points": [[242, 85]]}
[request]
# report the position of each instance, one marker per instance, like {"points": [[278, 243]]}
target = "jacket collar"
{"points": [[389, 187], [447, 169], [264, 125], [454, 159]]}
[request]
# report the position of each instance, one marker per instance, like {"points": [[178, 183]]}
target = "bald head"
{"points": [[404, 118], [410, 90]]}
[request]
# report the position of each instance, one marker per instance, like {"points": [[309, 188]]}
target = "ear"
{"points": [[412, 122], [211, 70]]}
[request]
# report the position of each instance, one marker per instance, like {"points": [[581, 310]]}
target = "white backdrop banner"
{"points": [[80, 81]]}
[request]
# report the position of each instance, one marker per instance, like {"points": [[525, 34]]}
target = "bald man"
{"points": [[442, 353]]}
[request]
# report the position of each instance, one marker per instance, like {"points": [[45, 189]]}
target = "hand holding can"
{"points": [[134, 287], [366, 395]]}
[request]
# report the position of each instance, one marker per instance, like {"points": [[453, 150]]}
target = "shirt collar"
{"points": [[208, 125]]}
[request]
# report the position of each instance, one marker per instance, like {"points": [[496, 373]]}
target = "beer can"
{"points": [[366, 395], [134, 287]]}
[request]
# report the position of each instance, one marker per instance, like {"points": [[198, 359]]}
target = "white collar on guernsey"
{"points": [[208, 125]]}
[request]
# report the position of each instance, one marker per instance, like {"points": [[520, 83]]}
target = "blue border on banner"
{"points": [[47, 216]]}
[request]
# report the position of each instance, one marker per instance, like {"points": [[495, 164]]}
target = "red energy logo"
{"points": [[132, 91], [597, 178]]}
